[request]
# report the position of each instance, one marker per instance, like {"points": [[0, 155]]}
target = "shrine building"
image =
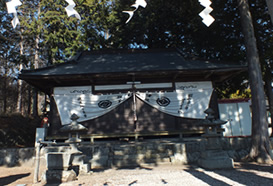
{"points": [[131, 93]]}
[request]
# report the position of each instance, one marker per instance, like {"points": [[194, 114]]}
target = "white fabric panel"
{"points": [[234, 119], [223, 111], [190, 100], [190, 104], [245, 118], [87, 106], [238, 117]]}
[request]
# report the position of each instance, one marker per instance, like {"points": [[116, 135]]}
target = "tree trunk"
{"points": [[37, 40], [36, 65], [19, 98], [29, 101], [5, 86], [260, 138], [270, 8], [20, 83], [5, 94], [269, 94], [35, 103]]}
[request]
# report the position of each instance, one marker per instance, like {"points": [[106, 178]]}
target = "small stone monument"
{"points": [[77, 157], [214, 157], [60, 164], [73, 127]]}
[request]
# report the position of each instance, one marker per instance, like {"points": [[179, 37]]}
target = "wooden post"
{"points": [[92, 140], [133, 83], [180, 136], [136, 137]]}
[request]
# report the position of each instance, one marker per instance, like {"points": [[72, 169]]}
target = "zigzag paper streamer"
{"points": [[11, 6], [70, 9], [136, 5], [205, 14]]}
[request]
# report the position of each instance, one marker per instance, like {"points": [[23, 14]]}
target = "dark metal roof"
{"points": [[121, 63]]}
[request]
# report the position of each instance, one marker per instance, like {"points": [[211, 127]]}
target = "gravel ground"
{"points": [[165, 174], [243, 174]]}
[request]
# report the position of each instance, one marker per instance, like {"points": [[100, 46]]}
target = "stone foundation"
{"points": [[108, 154], [127, 154]]}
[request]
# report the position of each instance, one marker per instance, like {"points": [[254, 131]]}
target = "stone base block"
{"points": [[85, 168], [77, 159], [59, 176], [58, 160], [216, 163], [179, 159], [215, 159], [99, 162]]}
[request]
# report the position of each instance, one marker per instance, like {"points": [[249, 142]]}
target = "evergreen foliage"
{"points": [[47, 36], [162, 24]]}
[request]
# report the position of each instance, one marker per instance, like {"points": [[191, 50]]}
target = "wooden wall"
{"points": [[121, 120]]}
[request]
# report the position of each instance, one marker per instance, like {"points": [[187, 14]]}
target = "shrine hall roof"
{"points": [[97, 64]]}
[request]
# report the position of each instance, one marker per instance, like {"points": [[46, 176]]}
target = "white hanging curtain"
{"points": [[81, 101], [190, 99]]}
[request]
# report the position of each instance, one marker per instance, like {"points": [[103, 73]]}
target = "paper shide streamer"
{"points": [[136, 5], [11, 6], [205, 14], [70, 9]]}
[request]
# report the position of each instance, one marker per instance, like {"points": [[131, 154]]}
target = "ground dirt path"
{"points": [[165, 174]]}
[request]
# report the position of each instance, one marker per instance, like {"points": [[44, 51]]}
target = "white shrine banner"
{"points": [[81, 101], [190, 99]]}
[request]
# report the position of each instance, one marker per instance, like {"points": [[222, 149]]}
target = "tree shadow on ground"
{"points": [[12, 178], [242, 174], [135, 167], [257, 167], [245, 175], [205, 178]]}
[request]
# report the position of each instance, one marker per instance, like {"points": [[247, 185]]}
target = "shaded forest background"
{"points": [[47, 36]]}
